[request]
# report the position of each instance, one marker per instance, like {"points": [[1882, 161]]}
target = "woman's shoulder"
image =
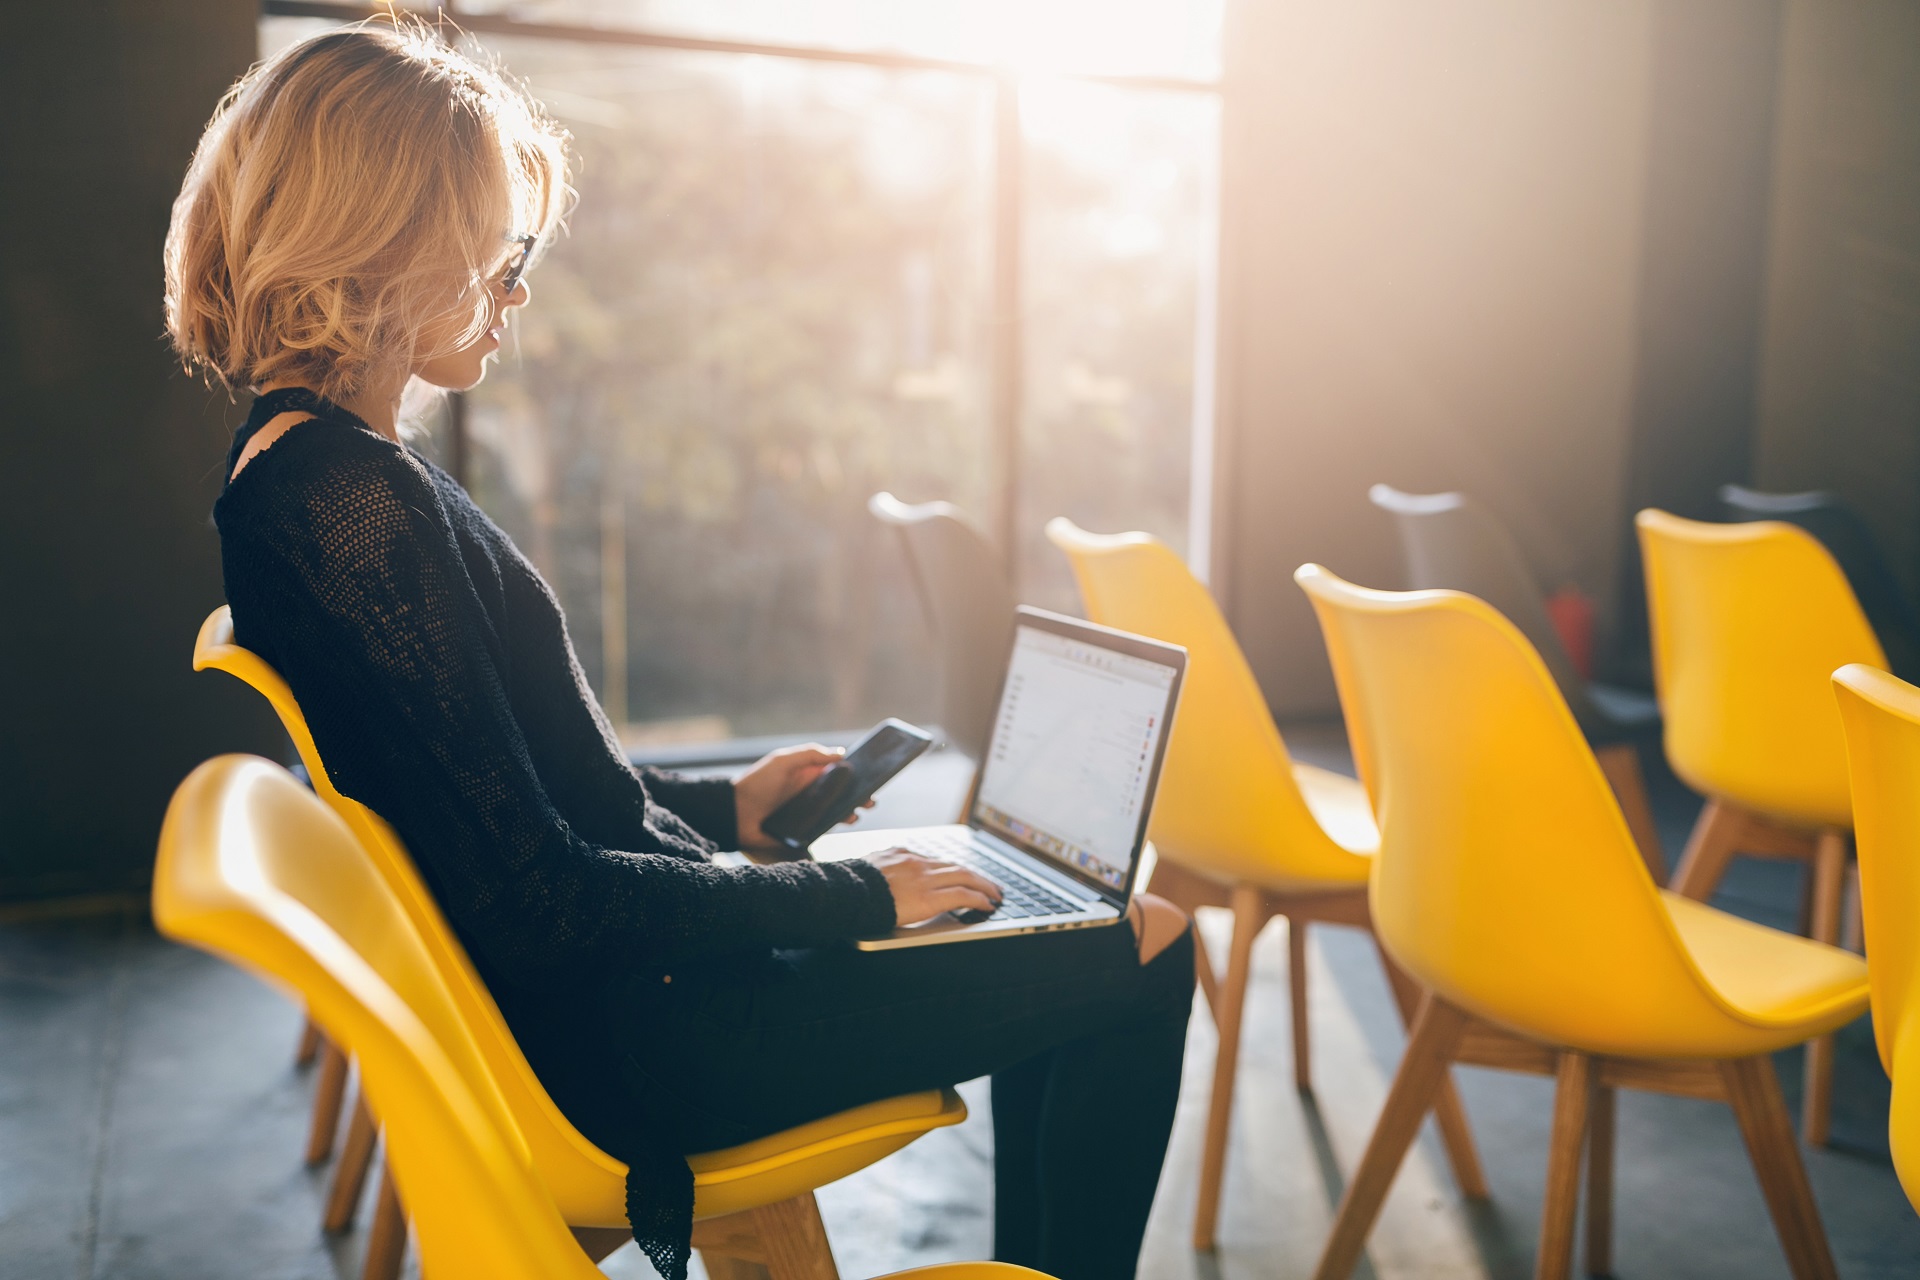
{"points": [[298, 453], [263, 439], [328, 480]]}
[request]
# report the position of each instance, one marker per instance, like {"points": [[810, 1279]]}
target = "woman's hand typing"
{"points": [[924, 887]]}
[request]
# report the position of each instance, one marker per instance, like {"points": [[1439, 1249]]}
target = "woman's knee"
{"points": [[1159, 925]]}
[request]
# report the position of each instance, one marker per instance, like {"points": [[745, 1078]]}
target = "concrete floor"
{"points": [[151, 1123]]}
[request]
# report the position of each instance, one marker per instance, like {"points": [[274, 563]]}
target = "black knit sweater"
{"points": [[435, 671]]}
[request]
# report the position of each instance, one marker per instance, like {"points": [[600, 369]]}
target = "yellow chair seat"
{"points": [[786, 1164], [1789, 987], [1340, 805]]}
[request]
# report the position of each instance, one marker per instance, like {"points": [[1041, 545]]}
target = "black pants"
{"points": [[1084, 1044]]}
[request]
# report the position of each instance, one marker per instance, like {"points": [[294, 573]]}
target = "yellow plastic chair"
{"points": [[214, 648], [1749, 623], [255, 869], [1509, 884], [1881, 716], [588, 1185], [1239, 823]]}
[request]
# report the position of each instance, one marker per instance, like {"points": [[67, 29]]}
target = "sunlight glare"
{"points": [[1139, 37]]}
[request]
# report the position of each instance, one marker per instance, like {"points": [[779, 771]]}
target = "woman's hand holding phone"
{"points": [[925, 887], [771, 782], [922, 887]]}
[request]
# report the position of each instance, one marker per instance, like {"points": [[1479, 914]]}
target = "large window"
{"points": [[792, 280], [1118, 217]]}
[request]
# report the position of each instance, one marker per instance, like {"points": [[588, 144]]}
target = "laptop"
{"points": [[1059, 815]]}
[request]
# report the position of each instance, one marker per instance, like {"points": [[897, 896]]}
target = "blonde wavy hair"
{"points": [[347, 205]]}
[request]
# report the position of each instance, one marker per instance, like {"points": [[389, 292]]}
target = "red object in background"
{"points": [[1572, 615]]}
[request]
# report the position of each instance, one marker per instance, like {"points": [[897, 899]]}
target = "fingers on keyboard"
{"points": [[1019, 900]]}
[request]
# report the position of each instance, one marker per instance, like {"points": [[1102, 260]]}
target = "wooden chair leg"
{"points": [[1715, 840], [1423, 1071], [309, 1046], [1621, 765], [1297, 997], [795, 1240], [1829, 886], [1456, 1135], [350, 1174], [1853, 929], [387, 1238], [1572, 1104], [1249, 916], [1804, 924], [1754, 1092], [1190, 892], [1203, 970], [730, 1247], [1600, 1134], [329, 1091]]}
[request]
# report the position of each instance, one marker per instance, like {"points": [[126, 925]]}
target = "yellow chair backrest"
{"points": [[584, 1180], [1881, 715], [1507, 879], [1749, 622], [1228, 804], [253, 868]]}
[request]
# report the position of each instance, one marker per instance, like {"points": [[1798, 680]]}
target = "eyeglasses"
{"points": [[517, 264]]}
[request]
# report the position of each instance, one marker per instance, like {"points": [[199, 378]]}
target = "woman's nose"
{"points": [[520, 296]]}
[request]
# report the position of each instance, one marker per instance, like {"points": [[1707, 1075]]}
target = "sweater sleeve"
{"points": [[574, 747], [353, 569], [705, 804]]}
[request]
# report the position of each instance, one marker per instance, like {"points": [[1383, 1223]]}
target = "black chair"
{"points": [[1889, 609], [969, 605], [1451, 542]]}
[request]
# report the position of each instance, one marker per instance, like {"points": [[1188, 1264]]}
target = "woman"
{"points": [[359, 218]]}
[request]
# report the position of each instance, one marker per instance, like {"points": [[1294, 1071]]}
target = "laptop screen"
{"points": [[1076, 746]]}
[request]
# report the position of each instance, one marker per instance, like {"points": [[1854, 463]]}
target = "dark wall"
{"points": [[109, 456], [1709, 167], [1431, 266], [1840, 395], [1495, 246]]}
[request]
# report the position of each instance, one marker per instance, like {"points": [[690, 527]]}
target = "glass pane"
{"points": [[772, 303], [277, 33], [1119, 211], [1131, 37]]}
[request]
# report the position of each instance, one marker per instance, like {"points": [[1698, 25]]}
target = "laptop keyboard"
{"points": [[1022, 899]]}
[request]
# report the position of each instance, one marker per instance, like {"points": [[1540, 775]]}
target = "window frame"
{"points": [[1005, 355]]}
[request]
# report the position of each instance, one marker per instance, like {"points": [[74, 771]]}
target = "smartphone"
{"points": [[845, 785]]}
